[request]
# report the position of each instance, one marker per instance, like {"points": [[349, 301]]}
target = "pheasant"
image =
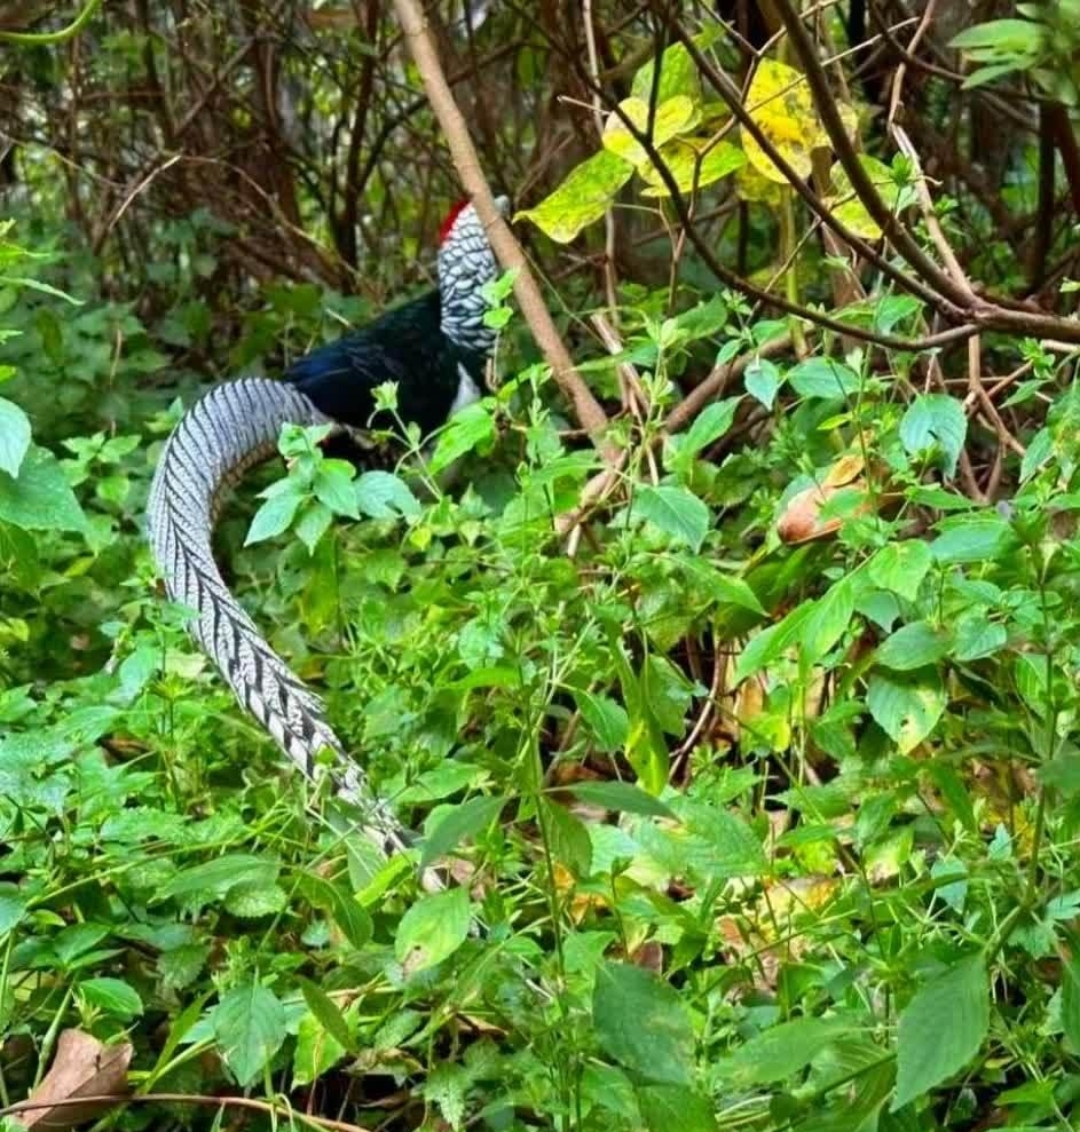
{"points": [[435, 349]]}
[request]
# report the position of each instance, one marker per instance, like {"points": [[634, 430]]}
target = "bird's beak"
{"points": [[503, 205]]}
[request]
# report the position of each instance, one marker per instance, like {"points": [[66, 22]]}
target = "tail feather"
{"points": [[232, 428]]}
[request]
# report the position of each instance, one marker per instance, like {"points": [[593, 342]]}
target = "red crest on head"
{"points": [[451, 216]]}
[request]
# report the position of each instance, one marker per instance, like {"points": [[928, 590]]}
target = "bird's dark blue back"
{"points": [[405, 345]]}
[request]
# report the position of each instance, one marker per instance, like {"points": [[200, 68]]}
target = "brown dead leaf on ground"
{"points": [[82, 1067]]}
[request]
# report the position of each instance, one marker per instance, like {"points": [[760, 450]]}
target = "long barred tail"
{"points": [[232, 428]]}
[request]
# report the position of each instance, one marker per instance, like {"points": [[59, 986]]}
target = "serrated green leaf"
{"points": [[249, 1028], [382, 495], [112, 996], [39, 499], [675, 511], [274, 516], [900, 567], [941, 1029], [334, 488], [906, 709], [250, 901]]}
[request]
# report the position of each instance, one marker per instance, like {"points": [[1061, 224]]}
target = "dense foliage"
{"points": [[748, 735]]}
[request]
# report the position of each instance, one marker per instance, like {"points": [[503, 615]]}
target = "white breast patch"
{"points": [[467, 391]]}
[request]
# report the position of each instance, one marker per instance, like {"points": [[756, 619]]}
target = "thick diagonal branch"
{"points": [[587, 409]]}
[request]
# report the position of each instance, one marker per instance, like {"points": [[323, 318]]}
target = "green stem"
{"points": [[38, 38]]}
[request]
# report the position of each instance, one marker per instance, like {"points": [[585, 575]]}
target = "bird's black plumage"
{"points": [[405, 345]]}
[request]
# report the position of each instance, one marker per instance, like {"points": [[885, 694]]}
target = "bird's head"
{"points": [[466, 263]]}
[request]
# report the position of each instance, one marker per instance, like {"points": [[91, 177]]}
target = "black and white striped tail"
{"points": [[232, 428]]}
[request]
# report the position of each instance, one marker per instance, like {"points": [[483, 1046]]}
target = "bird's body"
{"points": [[340, 377], [434, 348]]}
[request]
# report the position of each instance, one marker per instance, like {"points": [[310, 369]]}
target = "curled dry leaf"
{"points": [[802, 520], [82, 1067]]}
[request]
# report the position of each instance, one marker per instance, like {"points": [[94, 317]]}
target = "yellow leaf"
{"points": [[781, 105], [753, 187], [673, 116], [585, 195], [694, 164], [849, 210]]}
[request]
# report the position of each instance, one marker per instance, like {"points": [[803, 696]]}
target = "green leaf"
{"points": [[249, 1027], [704, 320], [334, 488], [675, 511], [112, 996], [464, 820], [906, 709], [900, 567], [432, 929], [734, 849], [982, 538], [941, 1029], [13, 907], [218, 876], [274, 516], [622, 796], [824, 379], [935, 423], [711, 424], [328, 1013], [14, 436], [382, 495], [583, 198], [771, 643], [568, 839], [40, 498], [642, 1023], [913, 646], [1070, 994], [607, 720], [783, 1050], [313, 523], [348, 914], [467, 430], [827, 621], [317, 1051], [666, 1108], [762, 381]]}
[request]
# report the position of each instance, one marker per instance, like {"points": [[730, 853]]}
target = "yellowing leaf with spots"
{"points": [[694, 163], [673, 116], [780, 103], [753, 187], [585, 195]]}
